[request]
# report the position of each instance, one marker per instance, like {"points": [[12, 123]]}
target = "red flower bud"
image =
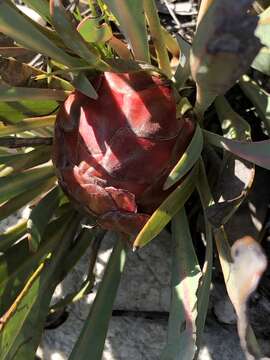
{"points": [[114, 154]]}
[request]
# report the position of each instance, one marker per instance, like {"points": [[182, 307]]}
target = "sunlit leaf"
{"points": [[223, 48], [262, 30], [40, 282], [28, 35], [19, 201], [27, 124], [166, 211], [14, 111], [205, 281], [8, 93], [131, 18], [93, 335], [18, 162], [183, 70], [12, 234], [225, 259], [262, 61], [70, 35], [92, 31], [235, 174], [40, 216], [257, 152], [186, 274], [13, 185], [188, 159], [41, 7], [259, 97]]}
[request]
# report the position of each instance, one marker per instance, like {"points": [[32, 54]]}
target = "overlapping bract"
{"points": [[113, 154]]}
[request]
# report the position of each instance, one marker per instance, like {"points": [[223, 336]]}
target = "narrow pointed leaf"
{"points": [[223, 48], [93, 335], [183, 70], [235, 174], [17, 264], [37, 285], [188, 159], [13, 185], [186, 274], [225, 259], [40, 216], [25, 345], [27, 34], [27, 124], [14, 111], [12, 234], [259, 97], [41, 7], [18, 162], [257, 152], [205, 281], [166, 211], [262, 30], [84, 85], [70, 35], [19, 201], [17, 74], [131, 18], [8, 93], [262, 61]]}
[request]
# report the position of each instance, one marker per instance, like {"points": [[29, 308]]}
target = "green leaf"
{"points": [[23, 346], [236, 175], [92, 31], [17, 74], [12, 234], [203, 292], [84, 85], [259, 97], [166, 211], [93, 335], [14, 163], [69, 34], [262, 61], [187, 160], [13, 185], [186, 275], [14, 111], [41, 7], [17, 264], [40, 282], [9, 93], [17, 202], [182, 72], [157, 36], [218, 56], [27, 124], [262, 30], [40, 216], [225, 258], [257, 152], [131, 18], [27, 34]]}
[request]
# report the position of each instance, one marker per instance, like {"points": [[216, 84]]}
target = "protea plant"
{"points": [[102, 93], [114, 154]]}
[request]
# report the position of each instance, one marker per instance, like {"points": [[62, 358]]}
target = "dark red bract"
{"points": [[113, 154]]}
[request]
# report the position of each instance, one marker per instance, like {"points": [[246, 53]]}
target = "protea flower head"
{"points": [[113, 154]]}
